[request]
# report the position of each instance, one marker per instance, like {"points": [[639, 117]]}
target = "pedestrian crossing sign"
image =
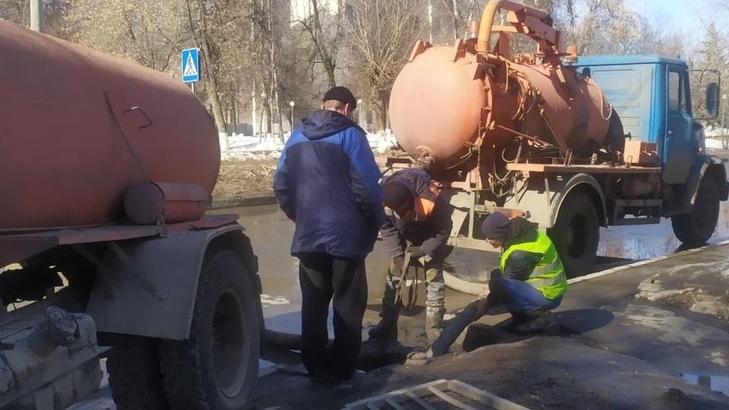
{"points": [[190, 62]]}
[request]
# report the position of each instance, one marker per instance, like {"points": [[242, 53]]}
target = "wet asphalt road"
{"points": [[271, 233]]}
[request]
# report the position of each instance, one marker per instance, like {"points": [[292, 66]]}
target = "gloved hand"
{"points": [[416, 252], [395, 267]]}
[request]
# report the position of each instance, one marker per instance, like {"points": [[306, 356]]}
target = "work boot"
{"points": [[539, 320], [433, 322], [386, 330]]}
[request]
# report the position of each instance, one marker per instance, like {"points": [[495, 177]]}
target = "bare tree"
{"points": [[149, 34], [52, 15], [324, 27], [382, 33], [268, 30]]}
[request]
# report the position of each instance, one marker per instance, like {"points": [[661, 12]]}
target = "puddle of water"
{"points": [[651, 241], [719, 384]]}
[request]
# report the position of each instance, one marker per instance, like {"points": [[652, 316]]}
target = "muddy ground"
{"points": [[621, 347]]}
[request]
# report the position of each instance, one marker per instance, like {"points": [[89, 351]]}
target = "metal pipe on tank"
{"points": [[487, 20]]}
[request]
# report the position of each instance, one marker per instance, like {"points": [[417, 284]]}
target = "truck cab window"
{"points": [[678, 92], [674, 91]]}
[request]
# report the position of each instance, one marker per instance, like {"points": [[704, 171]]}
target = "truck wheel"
{"points": [[576, 233], [696, 227], [135, 378], [216, 368]]}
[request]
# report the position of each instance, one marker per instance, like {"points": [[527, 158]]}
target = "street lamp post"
{"points": [[35, 15], [359, 114], [292, 105]]}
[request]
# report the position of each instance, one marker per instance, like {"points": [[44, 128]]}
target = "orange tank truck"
{"points": [[506, 119], [105, 248]]}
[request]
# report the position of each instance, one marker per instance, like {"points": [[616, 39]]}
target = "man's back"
{"points": [[327, 182]]}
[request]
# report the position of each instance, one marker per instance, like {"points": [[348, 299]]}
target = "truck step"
{"points": [[626, 209]]}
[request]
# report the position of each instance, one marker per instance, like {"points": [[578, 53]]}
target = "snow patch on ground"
{"points": [[716, 138], [265, 147], [714, 143], [268, 300], [671, 328]]}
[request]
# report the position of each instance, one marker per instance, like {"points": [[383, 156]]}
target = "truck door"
{"points": [[680, 147]]}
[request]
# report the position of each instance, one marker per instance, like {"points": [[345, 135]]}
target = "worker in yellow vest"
{"points": [[530, 281]]}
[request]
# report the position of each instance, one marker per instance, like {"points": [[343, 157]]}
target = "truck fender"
{"points": [[153, 293], [543, 201], [580, 182], [705, 165]]}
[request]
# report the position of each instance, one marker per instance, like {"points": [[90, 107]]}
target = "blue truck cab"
{"points": [[652, 96]]}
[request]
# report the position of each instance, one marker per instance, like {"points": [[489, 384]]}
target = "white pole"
{"points": [[35, 15]]}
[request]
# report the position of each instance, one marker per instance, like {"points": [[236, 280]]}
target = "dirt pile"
{"points": [[245, 177]]}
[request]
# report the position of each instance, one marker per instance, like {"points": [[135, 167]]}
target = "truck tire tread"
{"points": [[187, 377], [696, 227], [576, 233], [135, 377]]}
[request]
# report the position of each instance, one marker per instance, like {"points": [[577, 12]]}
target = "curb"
{"points": [[475, 288], [265, 198]]}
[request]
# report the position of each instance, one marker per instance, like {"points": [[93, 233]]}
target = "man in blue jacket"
{"points": [[327, 183]]}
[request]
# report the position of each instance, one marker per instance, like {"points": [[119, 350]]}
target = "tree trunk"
{"points": [[213, 91]]}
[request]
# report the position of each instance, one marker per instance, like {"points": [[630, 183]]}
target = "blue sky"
{"points": [[688, 16]]}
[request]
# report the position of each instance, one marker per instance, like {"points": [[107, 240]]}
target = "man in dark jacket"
{"points": [[415, 232], [327, 183]]}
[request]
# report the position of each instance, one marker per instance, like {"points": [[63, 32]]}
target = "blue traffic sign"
{"points": [[190, 59]]}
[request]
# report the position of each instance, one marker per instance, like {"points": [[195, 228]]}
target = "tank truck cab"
{"points": [[653, 97], [663, 170]]}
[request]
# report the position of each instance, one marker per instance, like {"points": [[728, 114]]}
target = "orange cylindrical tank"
{"points": [[442, 98], [450, 101], [78, 128], [436, 102]]}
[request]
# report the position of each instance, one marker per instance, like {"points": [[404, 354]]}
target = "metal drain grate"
{"points": [[437, 395]]}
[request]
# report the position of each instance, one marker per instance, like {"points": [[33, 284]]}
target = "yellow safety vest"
{"points": [[548, 276]]}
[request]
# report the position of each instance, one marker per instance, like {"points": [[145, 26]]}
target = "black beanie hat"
{"points": [[341, 94], [398, 197], [495, 226]]}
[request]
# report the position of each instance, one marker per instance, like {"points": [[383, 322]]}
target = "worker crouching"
{"points": [[530, 281], [415, 232]]}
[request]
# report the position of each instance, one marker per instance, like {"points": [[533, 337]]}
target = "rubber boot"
{"points": [[539, 320], [433, 322], [386, 330]]}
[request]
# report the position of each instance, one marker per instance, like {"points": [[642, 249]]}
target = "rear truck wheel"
{"points": [[135, 378], [576, 233], [696, 227], [216, 368]]}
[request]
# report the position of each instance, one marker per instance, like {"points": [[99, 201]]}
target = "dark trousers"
{"points": [[324, 277]]}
